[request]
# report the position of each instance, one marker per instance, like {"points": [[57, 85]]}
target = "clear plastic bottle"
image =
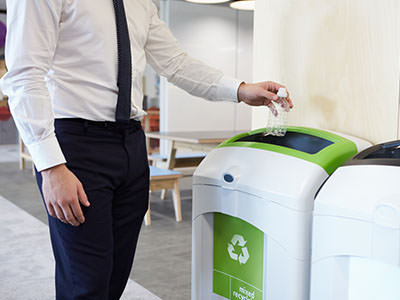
{"points": [[277, 123]]}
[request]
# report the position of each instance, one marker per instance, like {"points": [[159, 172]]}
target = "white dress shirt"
{"points": [[62, 59]]}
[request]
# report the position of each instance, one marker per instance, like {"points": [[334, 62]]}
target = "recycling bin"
{"points": [[356, 229], [252, 212]]}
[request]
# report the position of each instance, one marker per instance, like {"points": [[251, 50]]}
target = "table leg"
{"points": [[170, 164], [171, 156], [21, 152]]}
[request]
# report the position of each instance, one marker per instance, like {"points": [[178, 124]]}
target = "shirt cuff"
{"points": [[46, 154], [228, 89]]}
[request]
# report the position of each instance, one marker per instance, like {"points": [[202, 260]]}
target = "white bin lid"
{"points": [[287, 170], [286, 180], [368, 193]]}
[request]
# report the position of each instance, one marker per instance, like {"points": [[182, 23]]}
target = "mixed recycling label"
{"points": [[238, 259]]}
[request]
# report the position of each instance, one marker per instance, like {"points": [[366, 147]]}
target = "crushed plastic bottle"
{"points": [[277, 120]]}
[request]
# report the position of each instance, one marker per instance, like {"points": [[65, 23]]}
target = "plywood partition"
{"points": [[340, 60]]}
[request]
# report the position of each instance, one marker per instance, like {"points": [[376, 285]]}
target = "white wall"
{"points": [[222, 38], [340, 60]]}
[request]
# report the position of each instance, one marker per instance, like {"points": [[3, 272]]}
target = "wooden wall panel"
{"points": [[340, 59]]}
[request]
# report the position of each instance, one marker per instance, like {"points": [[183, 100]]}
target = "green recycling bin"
{"points": [[253, 198]]}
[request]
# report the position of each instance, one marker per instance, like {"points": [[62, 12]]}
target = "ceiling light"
{"points": [[243, 4], [207, 1]]}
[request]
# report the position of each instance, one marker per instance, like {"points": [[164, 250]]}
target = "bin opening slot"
{"points": [[385, 152], [294, 140]]}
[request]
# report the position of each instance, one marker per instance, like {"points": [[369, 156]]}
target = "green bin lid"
{"points": [[323, 148]]}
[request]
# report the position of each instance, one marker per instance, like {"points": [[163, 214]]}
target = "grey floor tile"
{"points": [[163, 257]]}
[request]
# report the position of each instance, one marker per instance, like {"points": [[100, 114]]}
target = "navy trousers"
{"points": [[94, 260]]}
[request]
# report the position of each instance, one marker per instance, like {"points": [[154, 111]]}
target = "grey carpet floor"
{"points": [[9, 153], [26, 260]]}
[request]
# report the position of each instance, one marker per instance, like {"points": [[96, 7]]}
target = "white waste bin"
{"points": [[252, 213], [356, 229]]}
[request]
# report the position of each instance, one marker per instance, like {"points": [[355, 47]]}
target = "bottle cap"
{"points": [[282, 93]]}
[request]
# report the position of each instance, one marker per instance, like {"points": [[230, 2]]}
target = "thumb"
{"points": [[82, 196]]}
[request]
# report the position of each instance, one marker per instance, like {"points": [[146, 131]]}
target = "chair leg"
{"points": [[163, 194], [176, 197], [147, 219]]}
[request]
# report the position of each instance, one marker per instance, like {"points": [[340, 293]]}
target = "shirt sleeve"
{"points": [[168, 59], [31, 41]]}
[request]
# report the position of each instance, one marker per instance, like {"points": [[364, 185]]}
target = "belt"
{"points": [[103, 124]]}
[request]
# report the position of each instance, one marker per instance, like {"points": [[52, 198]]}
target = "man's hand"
{"points": [[262, 93], [62, 192]]}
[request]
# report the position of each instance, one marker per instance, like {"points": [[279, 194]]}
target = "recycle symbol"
{"points": [[239, 241]]}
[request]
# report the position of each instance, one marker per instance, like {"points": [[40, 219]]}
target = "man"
{"points": [[74, 87]]}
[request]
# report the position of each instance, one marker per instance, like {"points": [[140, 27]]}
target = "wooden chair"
{"points": [[184, 160], [164, 179]]}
